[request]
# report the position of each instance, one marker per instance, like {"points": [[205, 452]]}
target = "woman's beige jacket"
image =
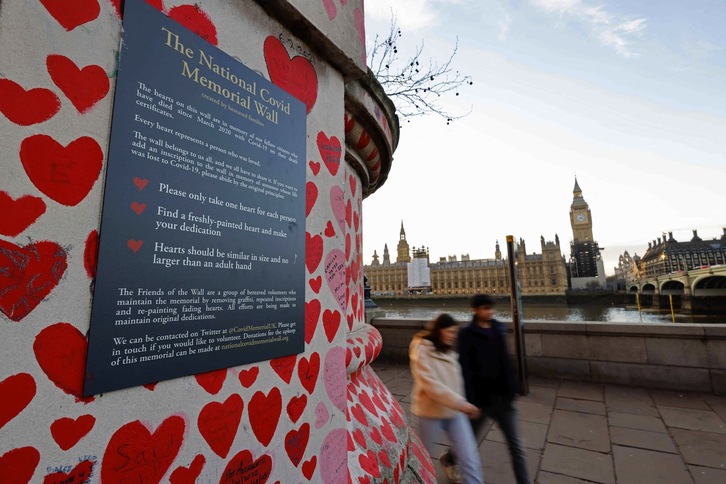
{"points": [[438, 386]]}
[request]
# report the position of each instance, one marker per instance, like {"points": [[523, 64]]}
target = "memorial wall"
{"points": [[181, 286]]}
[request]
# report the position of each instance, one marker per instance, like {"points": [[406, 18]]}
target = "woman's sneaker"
{"points": [[451, 470]]}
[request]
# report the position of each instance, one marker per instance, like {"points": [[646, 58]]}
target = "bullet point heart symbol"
{"points": [[138, 208], [140, 183], [135, 245]]}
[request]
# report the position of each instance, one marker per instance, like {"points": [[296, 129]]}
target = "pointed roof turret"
{"points": [[577, 191]]}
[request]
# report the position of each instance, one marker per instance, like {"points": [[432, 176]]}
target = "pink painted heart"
{"points": [[67, 431], [218, 423], [65, 174], [335, 275], [330, 9], [330, 151], [334, 376], [60, 350], [27, 107], [322, 416], [333, 457], [28, 275], [296, 76], [18, 391], [337, 203], [84, 87]]}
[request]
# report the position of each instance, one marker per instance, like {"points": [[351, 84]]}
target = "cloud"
{"points": [[611, 29], [411, 15]]}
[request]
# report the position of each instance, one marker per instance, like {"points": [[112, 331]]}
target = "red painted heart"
{"points": [[67, 432], [313, 251], [90, 253], [311, 195], [218, 423], [296, 76], [296, 442], [314, 167], [71, 14], [27, 275], [196, 20], [243, 468], [188, 475], [18, 391], [81, 473], [247, 377], [60, 350], [329, 230], [308, 467], [330, 151], [27, 107], [212, 381], [331, 323], [369, 463], [296, 406], [19, 214], [308, 370], [315, 284], [134, 454], [65, 174], [264, 414], [284, 366], [312, 314], [83, 87], [18, 465]]}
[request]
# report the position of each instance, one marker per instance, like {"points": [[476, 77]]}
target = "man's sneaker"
{"points": [[450, 470]]}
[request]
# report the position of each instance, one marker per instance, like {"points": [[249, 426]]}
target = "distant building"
{"points": [[544, 274], [586, 266], [666, 255]]}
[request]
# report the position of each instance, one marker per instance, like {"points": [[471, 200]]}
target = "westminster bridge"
{"points": [[696, 290]]}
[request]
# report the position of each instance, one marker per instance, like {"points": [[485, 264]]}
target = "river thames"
{"points": [[429, 309]]}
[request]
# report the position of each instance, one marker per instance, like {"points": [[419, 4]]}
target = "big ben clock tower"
{"points": [[585, 253]]}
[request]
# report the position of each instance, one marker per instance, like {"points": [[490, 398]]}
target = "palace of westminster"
{"points": [[547, 273]]}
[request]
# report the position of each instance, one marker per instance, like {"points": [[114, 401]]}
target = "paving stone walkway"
{"points": [[578, 432]]}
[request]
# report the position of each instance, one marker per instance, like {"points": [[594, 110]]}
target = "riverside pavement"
{"points": [[582, 432]]}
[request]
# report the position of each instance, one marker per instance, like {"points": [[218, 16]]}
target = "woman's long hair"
{"points": [[433, 331]]}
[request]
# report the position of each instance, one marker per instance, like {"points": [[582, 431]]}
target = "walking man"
{"points": [[489, 379]]}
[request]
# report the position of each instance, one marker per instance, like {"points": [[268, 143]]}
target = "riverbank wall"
{"points": [[679, 357]]}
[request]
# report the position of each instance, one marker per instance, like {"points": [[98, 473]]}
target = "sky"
{"points": [[627, 97]]}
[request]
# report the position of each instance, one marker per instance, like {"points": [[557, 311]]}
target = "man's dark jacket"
{"points": [[485, 363]]}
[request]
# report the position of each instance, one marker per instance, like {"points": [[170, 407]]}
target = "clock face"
{"points": [[580, 217]]}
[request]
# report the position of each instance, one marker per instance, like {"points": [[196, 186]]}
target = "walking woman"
{"points": [[438, 396]]}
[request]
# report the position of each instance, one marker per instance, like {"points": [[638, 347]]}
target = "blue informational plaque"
{"points": [[202, 243]]}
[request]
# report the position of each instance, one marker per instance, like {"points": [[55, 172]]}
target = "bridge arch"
{"points": [[648, 288], [672, 287], [709, 285]]}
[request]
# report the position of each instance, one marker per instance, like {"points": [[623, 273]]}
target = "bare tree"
{"points": [[415, 85]]}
